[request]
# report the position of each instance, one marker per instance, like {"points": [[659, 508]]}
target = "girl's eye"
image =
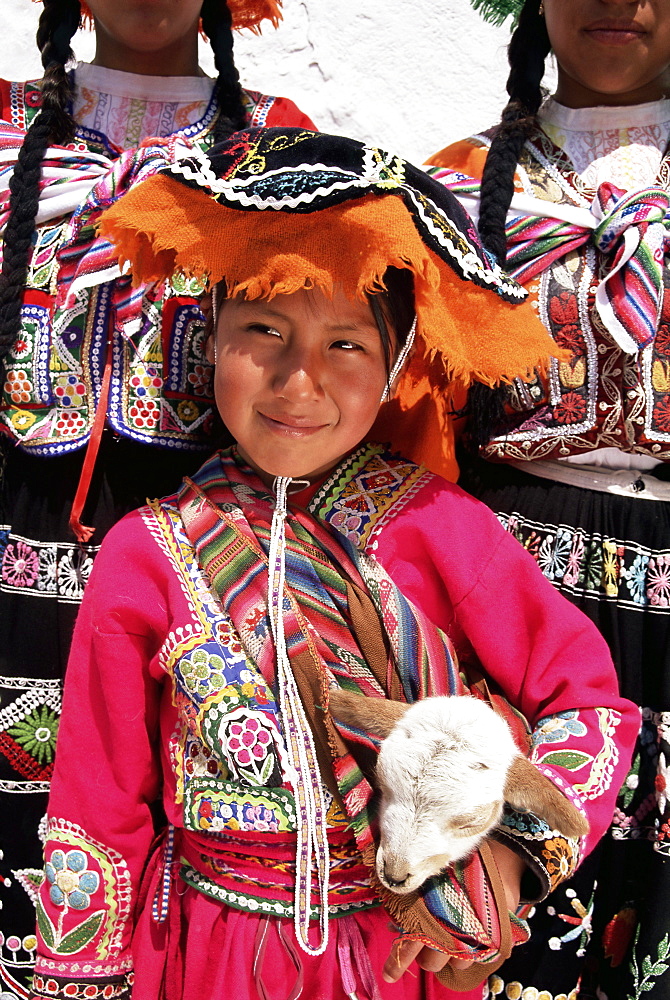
{"points": [[347, 345], [263, 328]]}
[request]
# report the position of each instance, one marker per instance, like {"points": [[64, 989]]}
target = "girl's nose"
{"points": [[299, 376]]}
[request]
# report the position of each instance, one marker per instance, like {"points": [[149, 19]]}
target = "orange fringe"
{"points": [[162, 227]]}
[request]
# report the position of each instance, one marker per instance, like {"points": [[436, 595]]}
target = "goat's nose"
{"points": [[393, 880]]}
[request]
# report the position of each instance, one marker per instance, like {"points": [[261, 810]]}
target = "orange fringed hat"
{"points": [[244, 13], [276, 210]]}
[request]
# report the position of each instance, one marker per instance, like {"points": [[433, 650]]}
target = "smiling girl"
{"points": [[217, 620], [574, 197]]}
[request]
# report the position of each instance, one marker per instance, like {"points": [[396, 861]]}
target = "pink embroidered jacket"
{"points": [[148, 618]]}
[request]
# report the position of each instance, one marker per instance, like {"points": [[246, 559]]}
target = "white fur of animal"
{"points": [[446, 766]]}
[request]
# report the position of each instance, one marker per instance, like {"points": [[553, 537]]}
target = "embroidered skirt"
{"points": [[603, 933], [43, 571]]}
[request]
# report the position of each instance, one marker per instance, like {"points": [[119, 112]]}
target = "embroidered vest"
{"points": [[161, 382], [601, 397]]}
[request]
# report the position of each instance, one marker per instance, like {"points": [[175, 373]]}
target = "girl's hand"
{"points": [[511, 867], [403, 953]]}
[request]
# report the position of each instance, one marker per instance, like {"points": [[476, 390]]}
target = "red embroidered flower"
{"points": [[33, 98], [662, 340], [144, 413], [70, 422], [201, 379], [571, 338], [662, 414], [617, 935], [571, 409], [21, 346], [563, 308]]}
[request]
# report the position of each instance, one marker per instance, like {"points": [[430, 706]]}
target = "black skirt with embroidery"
{"points": [[43, 571], [604, 934]]}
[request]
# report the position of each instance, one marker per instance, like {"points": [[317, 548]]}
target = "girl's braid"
{"points": [[217, 25], [528, 49], [54, 124]]}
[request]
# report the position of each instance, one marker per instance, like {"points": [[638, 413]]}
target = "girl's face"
{"points": [[155, 37], [298, 379], [610, 52]]}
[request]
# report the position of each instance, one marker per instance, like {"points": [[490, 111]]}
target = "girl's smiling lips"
{"points": [[612, 32], [290, 426]]}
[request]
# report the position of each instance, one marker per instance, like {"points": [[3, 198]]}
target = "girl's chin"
{"points": [[269, 471]]}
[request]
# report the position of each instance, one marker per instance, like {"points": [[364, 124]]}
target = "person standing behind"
{"points": [[105, 392], [572, 197]]}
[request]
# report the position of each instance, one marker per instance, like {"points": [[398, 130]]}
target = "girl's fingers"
{"points": [[404, 952], [431, 960], [402, 955], [461, 963]]}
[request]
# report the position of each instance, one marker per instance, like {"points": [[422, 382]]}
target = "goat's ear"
{"points": [[375, 715], [527, 789]]}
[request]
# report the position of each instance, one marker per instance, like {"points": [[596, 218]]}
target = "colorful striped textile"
{"points": [[227, 513], [632, 230]]}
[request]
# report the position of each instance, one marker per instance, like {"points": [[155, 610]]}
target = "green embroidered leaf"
{"points": [[570, 759], [267, 768], [46, 928], [41, 277], [645, 987], [78, 938], [657, 969], [646, 965], [33, 875]]}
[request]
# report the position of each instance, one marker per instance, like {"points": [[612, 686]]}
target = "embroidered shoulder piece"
{"points": [[365, 491]]}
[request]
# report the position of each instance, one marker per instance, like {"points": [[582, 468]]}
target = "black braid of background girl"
{"points": [[58, 22], [528, 49]]}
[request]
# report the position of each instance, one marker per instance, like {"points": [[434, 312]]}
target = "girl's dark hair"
{"points": [[54, 125], [394, 307], [217, 24], [528, 50], [58, 22]]}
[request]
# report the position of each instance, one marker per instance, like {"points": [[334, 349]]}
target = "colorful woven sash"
{"points": [[631, 231], [227, 514]]}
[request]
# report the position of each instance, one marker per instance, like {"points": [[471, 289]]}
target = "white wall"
{"points": [[407, 76]]}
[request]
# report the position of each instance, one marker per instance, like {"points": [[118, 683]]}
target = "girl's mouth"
{"points": [[610, 32], [290, 426]]}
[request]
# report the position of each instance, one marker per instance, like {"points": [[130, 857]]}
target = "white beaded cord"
{"points": [[399, 361], [312, 837]]}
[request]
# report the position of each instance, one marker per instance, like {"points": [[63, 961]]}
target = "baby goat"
{"points": [[445, 767]]}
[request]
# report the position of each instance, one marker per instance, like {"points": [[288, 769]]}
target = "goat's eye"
{"points": [[467, 822]]}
